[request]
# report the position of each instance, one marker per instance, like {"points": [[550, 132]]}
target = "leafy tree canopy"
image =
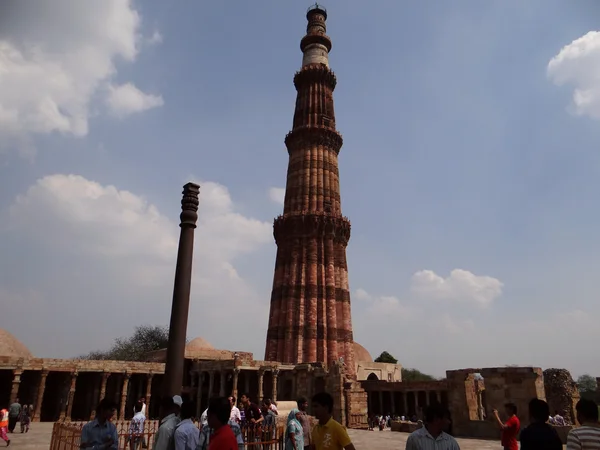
{"points": [[145, 338], [586, 383], [385, 357], [415, 375]]}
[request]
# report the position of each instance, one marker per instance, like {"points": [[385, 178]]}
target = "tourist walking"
{"points": [[170, 407], [253, 414], [294, 434], [136, 427], [25, 418], [539, 435], [304, 419], [587, 436], [4, 426], [222, 436], [433, 435], [510, 428], [235, 415], [14, 411], [328, 434], [187, 434], [101, 433]]}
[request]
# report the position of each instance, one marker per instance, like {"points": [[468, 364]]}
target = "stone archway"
{"points": [[372, 377]]}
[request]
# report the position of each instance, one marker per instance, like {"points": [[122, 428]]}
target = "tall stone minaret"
{"points": [[310, 318]]}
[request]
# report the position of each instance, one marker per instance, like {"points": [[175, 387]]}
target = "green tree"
{"points": [[386, 357], [145, 338], [415, 375], [587, 387]]}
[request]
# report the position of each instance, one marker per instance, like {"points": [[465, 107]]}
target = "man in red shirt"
{"points": [[219, 410], [510, 428]]}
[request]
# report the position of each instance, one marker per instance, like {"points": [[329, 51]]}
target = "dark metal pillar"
{"points": [[173, 379]]}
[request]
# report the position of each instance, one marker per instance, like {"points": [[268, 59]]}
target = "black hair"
{"points": [[324, 399], [301, 401], [106, 404], [187, 410], [220, 408], [232, 399], [539, 410], [587, 409], [436, 411], [267, 402], [245, 394], [511, 407], [138, 406]]}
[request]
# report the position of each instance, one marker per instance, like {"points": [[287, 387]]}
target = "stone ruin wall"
{"points": [[561, 393]]}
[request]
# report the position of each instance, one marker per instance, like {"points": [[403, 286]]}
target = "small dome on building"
{"points": [[199, 344], [11, 346], [361, 353]]}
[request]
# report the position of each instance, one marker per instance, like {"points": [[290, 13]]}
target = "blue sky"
{"points": [[463, 150]]}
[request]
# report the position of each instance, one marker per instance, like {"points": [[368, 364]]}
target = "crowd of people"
{"points": [[220, 426], [16, 413]]}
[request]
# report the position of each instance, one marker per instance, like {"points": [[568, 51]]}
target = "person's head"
{"points": [[187, 410], [138, 406], [106, 409], [245, 398], [17, 400], [219, 410], [232, 401], [143, 400], [510, 409], [556, 412], [587, 411], [302, 403], [168, 406], [322, 405], [539, 411]]}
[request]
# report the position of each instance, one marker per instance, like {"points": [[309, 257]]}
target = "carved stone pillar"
{"points": [[40, 396], [234, 387], [247, 383], [148, 395], [16, 382], [71, 395], [295, 383], [392, 403], [261, 376], [124, 389], [417, 404], [381, 402], [405, 404], [275, 379], [199, 395], [222, 384], [211, 383]]}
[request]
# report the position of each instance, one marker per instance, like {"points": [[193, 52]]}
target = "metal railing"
{"points": [[67, 436]]}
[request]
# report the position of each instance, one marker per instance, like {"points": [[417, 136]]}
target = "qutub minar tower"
{"points": [[310, 317]]}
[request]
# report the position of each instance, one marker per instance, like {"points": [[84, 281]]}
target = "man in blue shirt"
{"points": [[101, 433]]}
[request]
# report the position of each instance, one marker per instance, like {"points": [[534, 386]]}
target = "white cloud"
{"points": [[156, 38], [578, 65], [55, 56], [126, 99], [277, 195], [100, 252], [460, 286]]}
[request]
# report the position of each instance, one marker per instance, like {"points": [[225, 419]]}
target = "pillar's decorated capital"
{"points": [[276, 373], [149, 375], [236, 370], [44, 373], [189, 205]]}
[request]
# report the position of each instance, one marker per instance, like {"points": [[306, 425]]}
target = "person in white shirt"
{"points": [[170, 406], [204, 417], [235, 415], [587, 436], [136, 428], [273, 407], [187, 434], [143, 402], [432, 436]]}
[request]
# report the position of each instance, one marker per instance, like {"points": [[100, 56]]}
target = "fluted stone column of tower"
{"points": [[310, 318]]}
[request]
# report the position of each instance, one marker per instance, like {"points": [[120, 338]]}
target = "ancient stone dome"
{"points": [[11, 346], [198, 344], [361, 353]]}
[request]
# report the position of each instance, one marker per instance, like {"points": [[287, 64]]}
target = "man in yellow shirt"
{"points": [[328, 434]]}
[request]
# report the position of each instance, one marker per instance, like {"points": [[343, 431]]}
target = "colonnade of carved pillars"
{"points": [[405, 409], [234, 389], [67, 408]]}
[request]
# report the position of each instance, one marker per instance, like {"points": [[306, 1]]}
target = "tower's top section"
{"points": [[316, 45]]}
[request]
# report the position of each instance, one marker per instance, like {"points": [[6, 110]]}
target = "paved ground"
{"points": [[39, 438]]}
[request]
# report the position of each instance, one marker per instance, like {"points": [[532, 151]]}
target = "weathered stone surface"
{"points": [[561, 393], [310, 319]]}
